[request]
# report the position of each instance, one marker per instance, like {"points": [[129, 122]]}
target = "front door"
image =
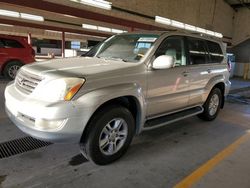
{"points": [[168, 88]]}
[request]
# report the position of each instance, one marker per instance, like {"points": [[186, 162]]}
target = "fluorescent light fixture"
{"points": [[117, 31], [96, 3], [52, 31], [100, 28], [201, 30], [88, 26], [105, 29], [70, 16], [210, 33], [9, 13], [15, 14], [7, 25], [177, 24], [219, 35], [162, 20], [31, 17], [181, 25], [190, 27]]}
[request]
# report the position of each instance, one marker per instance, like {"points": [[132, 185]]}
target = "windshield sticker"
{"points": [[147, 39]]}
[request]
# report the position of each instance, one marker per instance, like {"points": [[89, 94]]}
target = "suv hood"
{"points": [[79, 66]]}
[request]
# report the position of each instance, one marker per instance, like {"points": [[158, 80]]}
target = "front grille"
{"points": [[26, 82]]}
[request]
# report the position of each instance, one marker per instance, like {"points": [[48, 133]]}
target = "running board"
{"points": [[171, 118]]}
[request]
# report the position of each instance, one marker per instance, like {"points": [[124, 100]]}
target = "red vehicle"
{"points": [[14, 52]]}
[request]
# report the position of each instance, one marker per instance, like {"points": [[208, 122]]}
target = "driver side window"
{"points": [[173, 46]]}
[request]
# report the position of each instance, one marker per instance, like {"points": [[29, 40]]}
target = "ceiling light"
{"points": [[177, 24], [210, 33], [105, 29], [52, 31], [31, 17], [181, 25], [200, 30], [96, 3], [6, 25], [117, 31], [162, 20], [88, 26], [190, 27], [219, 35], [9, 13]]}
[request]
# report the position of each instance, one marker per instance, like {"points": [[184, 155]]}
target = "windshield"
{"points": [[126, 47]]}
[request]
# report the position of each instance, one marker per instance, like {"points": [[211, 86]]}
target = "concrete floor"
{"points": [[158, 158]]}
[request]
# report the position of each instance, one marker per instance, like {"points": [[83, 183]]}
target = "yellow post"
{"points": [[246, 70]]}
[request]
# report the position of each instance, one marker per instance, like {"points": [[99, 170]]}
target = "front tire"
{"points": [[109, 134], [212, 105]]}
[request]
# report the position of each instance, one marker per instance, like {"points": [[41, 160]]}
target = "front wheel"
{"points": [[109, 134], [11, 69], [212, 105]]}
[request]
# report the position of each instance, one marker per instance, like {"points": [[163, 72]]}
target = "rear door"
{"points": [[204, 60]]}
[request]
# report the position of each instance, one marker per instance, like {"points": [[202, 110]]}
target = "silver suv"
{"points": [[127, 84]]}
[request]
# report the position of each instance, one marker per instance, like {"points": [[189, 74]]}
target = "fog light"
{"points": [[49, 125]]}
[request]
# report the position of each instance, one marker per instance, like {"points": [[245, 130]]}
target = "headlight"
{"points": [[59, 89]]}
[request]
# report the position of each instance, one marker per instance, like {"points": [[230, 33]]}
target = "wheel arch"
{"points": [[221, 86], [128, 101], [8, 61]]}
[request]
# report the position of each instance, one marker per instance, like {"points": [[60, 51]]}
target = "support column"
{"points": [[29, 39], [63, 44], [131, 29]]}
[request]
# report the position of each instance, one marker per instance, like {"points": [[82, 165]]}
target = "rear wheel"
{"points": [[109, 134], [212, 105], [10, 70]]}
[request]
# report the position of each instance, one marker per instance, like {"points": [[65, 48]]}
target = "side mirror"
{"points": [[163, 62]]}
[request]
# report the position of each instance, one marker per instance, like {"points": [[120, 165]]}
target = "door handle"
{"points": [[185, 73]]}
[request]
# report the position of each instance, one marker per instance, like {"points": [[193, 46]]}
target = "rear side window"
{"points": [[197, 51], [215, 52], [9, 43]]}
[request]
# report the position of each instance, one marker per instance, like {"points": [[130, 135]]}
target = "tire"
{"points": [[101, 138], [11, 69], [212, 105]]}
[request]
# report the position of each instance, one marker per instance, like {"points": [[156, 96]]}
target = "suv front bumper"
{"points": [[58, 122]]}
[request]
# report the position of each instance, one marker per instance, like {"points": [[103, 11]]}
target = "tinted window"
{"points": [[197, 51], [215, 52], [9, 43], [173, 46]]}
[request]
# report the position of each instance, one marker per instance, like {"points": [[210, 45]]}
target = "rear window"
{"points": [[10, 43], [215, 52], [197, 51]]}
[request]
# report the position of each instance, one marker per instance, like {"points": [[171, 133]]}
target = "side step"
{"points": [[164, 120]]}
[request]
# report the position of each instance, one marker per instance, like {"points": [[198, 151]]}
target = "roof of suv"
{"points": [[184, 33]]}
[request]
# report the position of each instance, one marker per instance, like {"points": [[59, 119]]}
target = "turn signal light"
{"points": [[72, 92]]}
